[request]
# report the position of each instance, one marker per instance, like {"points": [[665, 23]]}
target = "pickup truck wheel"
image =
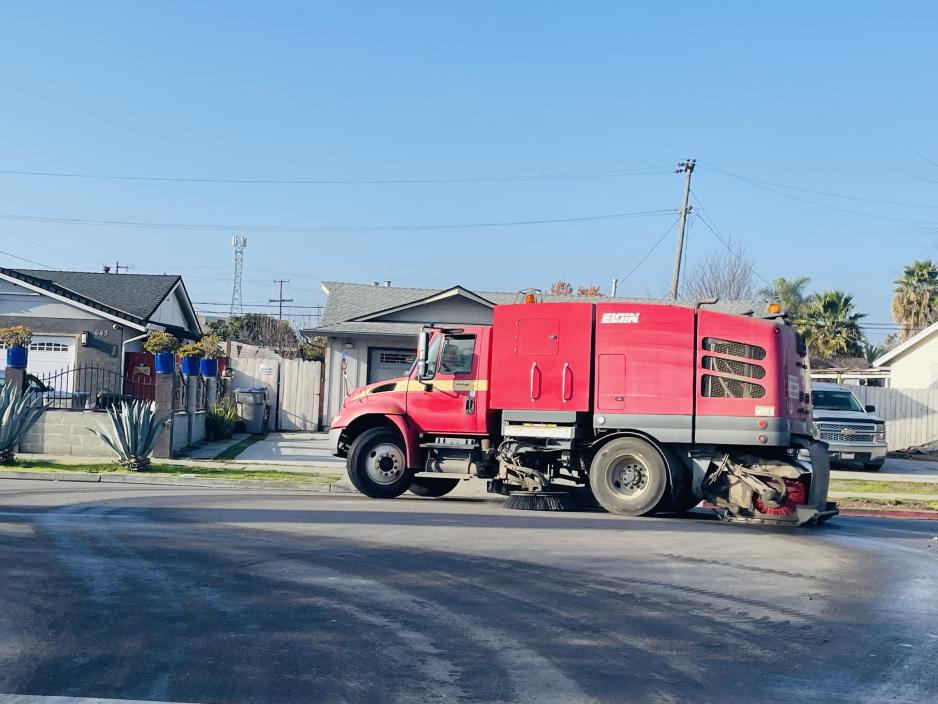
{"points": [[435, 488], [377, 464], [629, 477]]}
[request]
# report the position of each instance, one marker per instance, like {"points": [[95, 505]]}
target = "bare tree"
{"points": [[723, 274], [561, 288], [592, 290]]}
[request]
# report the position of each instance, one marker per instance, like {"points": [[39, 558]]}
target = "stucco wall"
{"points": [[357, 365], [104, 342], [917, 368], [450, 310]]}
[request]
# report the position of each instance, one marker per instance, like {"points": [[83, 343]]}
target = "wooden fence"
{"points": [[911, 415], [294, 389]]}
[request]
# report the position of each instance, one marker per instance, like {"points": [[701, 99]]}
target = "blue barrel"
{"points": [[208, 367], [165, 362], [16, 357], [190, 366]]}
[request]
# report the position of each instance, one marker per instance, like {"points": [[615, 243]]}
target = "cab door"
{"points": [[453, 401]]}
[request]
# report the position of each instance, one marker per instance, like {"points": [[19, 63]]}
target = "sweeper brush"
{"points": [[541, 501]]}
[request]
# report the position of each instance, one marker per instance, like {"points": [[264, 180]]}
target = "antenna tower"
{"points": [[239, 244]]}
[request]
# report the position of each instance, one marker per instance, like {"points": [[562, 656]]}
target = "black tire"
{"points": [[433, 488], [629, 477], [377, 464], [872, 466]]}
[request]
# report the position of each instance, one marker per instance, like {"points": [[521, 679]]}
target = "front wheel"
{"points": [[377, 464], [629, 477], [431, 487]]}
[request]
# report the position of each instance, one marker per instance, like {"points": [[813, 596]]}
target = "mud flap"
{"points": [[817, 509]]}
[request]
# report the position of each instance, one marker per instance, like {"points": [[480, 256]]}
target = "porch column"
{"points": [[165, 398]]}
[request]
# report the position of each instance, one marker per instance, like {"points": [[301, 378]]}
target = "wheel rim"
{"points": [[628, 477], [385, 463]]}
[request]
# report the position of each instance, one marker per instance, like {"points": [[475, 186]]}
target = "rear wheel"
{"points": [[629, 477], [435, 488], [377, 464]]}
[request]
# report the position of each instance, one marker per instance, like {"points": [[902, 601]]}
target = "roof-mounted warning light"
{"points": [[530, 295]]}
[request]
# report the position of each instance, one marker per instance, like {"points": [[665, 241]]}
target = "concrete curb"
{"points": [[877, 513], [87, 477]]}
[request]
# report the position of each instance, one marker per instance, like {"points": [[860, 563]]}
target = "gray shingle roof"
{"points": [[134, 295], [347, 302]]}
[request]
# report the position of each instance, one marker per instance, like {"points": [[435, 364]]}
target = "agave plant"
{"points": [[18, 413], [136, 428]]}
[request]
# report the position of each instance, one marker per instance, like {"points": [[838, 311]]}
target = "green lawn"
{"points": [[867, 486], [165, 470]]}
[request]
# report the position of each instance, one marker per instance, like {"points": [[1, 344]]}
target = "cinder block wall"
{"points": [[64, 433], [60, 432]]}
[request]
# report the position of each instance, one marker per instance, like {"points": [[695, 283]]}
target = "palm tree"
{"points": [[915, 305], [830, 326], [789, 292]]}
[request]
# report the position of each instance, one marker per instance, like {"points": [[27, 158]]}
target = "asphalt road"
{"points": [[173, 594]]}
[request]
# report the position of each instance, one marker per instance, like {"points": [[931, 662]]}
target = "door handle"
{"points": [[533, 370], [563, 387], [470, 405]]}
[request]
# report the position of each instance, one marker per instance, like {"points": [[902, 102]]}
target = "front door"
{"points": [[449, 402]]}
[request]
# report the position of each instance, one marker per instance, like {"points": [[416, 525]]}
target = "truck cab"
{"points": [[852, 431]]}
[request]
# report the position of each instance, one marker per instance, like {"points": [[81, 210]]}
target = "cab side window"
{"points": [[456, 356]]}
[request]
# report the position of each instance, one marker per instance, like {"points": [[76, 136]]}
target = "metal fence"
{"points": [[89, 388]]}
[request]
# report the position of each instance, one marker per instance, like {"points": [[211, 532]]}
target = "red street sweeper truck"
{"points": [[652, 407]]}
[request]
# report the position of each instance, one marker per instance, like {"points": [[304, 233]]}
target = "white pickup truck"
{"points": [[852, 432]]}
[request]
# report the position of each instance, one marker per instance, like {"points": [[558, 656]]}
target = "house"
{"points": [[92, 319], [375, 327], [914, 363]]}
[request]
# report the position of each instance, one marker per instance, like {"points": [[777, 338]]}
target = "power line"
{"points": [[650, 251], [29, 261], [861, 199], [764, 187], [612, 173], [710, 225], [328, 228]]}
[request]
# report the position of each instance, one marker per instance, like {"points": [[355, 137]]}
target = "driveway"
{"points": [[299, 449]]}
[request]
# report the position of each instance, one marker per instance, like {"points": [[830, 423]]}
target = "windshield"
{"points": [[836, 401]]}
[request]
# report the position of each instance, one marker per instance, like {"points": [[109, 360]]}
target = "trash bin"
{"points": [[252, 406]]}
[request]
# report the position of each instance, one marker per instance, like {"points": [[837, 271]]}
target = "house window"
{"points": [[48, 347]]}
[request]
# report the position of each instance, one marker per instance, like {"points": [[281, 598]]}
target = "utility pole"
{"points": [[687, 168], [281, 300]]}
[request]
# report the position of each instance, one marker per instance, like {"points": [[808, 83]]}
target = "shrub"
{"points": [[160, 342], [16, 336], [211, 346], [191, 350], [221, 419], [135, 430], [18, 412]]}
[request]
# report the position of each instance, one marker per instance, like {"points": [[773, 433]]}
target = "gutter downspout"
{"points": [[124, 350]]}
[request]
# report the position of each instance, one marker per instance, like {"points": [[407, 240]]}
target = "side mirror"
{"points": [[871, 409], [423, 354]]}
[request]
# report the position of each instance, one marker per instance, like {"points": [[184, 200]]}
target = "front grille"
{"points": [[847, 432]]}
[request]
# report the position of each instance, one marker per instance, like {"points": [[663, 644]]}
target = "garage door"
{"points": [[49, 354], [388, 363]]}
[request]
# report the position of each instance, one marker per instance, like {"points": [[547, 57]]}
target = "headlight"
{"points": [[880, 434]]}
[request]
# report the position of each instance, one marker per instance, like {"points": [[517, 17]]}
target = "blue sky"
{"points": [[836, 97]]}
